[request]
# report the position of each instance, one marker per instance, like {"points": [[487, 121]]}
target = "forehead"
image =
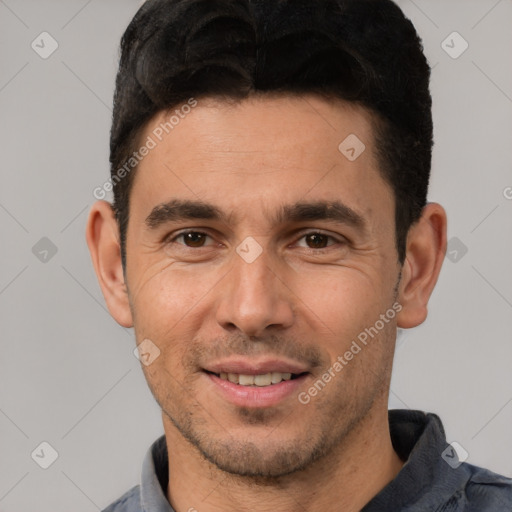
{"points": [[261, 150]]}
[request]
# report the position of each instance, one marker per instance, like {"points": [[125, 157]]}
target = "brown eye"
{"points": [[317, 240], [192, 238]]}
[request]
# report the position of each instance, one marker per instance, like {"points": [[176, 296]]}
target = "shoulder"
{"points": [[486, 490], [128, 502]]}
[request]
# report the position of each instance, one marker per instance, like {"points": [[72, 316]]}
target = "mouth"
{"points": [[257, 380], [256, 384]]}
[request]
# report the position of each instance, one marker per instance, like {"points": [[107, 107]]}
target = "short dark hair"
{"points": [[361, 51]]}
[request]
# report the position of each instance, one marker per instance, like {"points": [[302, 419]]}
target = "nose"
{"points": [[255, 298]]}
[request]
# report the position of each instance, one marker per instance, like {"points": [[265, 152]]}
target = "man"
{"points": [[270, 231]]}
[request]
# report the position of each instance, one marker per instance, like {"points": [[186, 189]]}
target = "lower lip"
{"points": [[257, 396]]}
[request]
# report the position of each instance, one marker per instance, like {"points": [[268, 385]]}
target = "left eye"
{"points": [[317, 240]]}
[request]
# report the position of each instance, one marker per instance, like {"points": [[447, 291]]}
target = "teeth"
{"points": [[276, 377], [246, 380], [265, 379]]}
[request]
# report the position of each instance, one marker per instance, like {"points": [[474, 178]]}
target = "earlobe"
{"points": [[102, 236], [425, 251]]}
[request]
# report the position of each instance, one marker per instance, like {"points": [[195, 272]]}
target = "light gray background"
{"points": [[68, 374]]}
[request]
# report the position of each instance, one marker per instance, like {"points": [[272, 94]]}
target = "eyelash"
{"points": [[329, 237]]}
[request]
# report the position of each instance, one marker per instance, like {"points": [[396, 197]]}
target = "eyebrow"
{"points": [[179, 210]]}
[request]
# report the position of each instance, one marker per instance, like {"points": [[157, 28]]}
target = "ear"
{"points": [[102, 234], [425, 251]]}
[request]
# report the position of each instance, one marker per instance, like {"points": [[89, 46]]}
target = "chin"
{"points": [[259, 462]]}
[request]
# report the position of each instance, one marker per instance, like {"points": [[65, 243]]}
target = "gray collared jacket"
{"points": [[431, 480]]}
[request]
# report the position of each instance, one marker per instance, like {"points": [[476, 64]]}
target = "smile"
{"points": [[264, 379], [263, 390]]}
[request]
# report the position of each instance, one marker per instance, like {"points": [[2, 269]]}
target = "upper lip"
{"points": [[255, 367]]}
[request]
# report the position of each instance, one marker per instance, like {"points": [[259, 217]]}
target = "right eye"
{"points": [[192, 239]]}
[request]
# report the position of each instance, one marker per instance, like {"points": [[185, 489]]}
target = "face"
{"points": [[257, 256]]}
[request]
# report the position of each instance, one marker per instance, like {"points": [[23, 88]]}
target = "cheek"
{"points": [[169, 305], [168, 291], [344, 311], [341, 302]]}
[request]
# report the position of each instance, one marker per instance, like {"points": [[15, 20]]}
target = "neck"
{"points": [[362, 464]]}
